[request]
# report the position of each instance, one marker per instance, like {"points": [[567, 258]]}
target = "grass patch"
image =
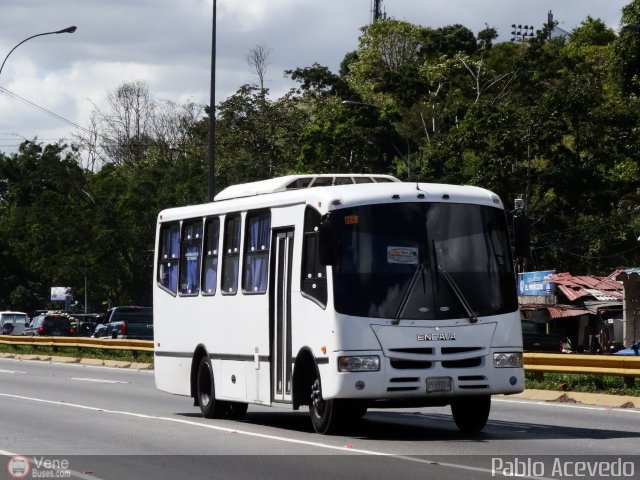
{"points": [[79, 352], [566, 382]]}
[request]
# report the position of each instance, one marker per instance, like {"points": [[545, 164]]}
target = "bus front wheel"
{"points": [[326, 415], [209, 406], [471, 413]]}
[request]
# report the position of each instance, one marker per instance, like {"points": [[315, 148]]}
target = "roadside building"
{"points": [[630, 279], [586, 308]]}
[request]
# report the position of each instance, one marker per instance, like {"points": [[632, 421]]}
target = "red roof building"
{"points": [[587, 308]]}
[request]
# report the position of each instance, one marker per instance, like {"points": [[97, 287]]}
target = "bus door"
{"points": [[281, 315]]}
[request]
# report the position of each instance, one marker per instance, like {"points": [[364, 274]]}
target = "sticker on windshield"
{"points": [[403, 255]]}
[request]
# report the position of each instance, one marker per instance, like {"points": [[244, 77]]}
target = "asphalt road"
{"points": [[110, 423]]}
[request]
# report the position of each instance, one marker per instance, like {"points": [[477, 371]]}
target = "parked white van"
{"points": [[13, 323]]}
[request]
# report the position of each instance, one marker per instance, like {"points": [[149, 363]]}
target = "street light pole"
{"points": [[212, 112], [71, 29]]}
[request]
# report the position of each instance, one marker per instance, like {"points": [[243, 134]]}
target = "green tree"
{"points": [[627, 50], [592, 32], [486, 36], [256, 137], [44, 209]]}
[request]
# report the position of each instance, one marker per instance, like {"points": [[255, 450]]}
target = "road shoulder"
{"points": [[600, 399]]}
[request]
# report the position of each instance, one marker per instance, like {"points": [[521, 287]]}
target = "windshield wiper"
{"points": [[407, 293], [473, 317]]}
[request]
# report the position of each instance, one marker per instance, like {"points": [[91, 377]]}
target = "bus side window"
{"points": [[313, 275], [190, 257], [169, 256], [231, 255], [210, 262], [256, 252]]}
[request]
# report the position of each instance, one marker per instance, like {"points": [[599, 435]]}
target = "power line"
{"points": [[44, 110]]}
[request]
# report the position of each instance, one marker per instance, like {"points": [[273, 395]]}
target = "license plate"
{"points": [[56, 332], [439, 384]]}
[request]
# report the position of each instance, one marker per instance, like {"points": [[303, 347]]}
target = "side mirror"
{"points": [[327, 245]]}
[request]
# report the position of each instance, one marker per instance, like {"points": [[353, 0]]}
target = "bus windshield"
{"points": [[422, 261]]}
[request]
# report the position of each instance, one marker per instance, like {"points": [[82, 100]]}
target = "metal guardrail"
{"points": [[616, 365], [80, 342]]}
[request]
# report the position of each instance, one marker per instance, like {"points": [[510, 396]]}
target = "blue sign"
{"points": [[536, 283]]}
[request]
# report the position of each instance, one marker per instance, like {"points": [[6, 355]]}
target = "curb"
{"points": [[599, 399], [81, 361]]}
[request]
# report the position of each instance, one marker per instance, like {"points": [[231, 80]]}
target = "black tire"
{"points": [[327, 416], [236, 410], [205, 390], [471, 413]]}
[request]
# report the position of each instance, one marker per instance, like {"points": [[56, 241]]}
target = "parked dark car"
{"points": [[13, 323], [86, 323], [51, 325], [634, 349], [128, 322], [535, 339]]}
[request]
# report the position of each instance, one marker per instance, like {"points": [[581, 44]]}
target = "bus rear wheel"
{"points": [[471, 413], [326, 415], [209, 406]]}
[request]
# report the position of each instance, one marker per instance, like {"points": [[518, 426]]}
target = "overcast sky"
{"points": [[167, 44]]}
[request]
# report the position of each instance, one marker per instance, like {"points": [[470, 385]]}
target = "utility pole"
{"points": [[376, 11], [521, 234], [211, 183]]}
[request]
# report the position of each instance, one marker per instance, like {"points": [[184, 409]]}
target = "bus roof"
{"points": [[328, 198], [294, 182]]}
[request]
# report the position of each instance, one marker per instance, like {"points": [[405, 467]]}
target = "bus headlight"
{"points": [[363, 363], [507, 360]]}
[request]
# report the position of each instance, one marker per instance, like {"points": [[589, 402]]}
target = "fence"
{"points": [[80, 342]]}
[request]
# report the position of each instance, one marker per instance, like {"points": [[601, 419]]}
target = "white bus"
{"points": [[363, 292]]}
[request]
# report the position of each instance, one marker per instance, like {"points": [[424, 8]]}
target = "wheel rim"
{"points": [[316, 398], [204, 381]]}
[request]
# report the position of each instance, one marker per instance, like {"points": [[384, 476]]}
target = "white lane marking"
{"points": [[346, 449], [79, 365], [97, 380], [568, 405], [10, 371], [81, 475]]}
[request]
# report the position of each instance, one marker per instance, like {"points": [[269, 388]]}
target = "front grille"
{"points": [[470, 382], [450, 350], [409, 364], [404, 380], [402, 389], [465, 363], [421, 351]]}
